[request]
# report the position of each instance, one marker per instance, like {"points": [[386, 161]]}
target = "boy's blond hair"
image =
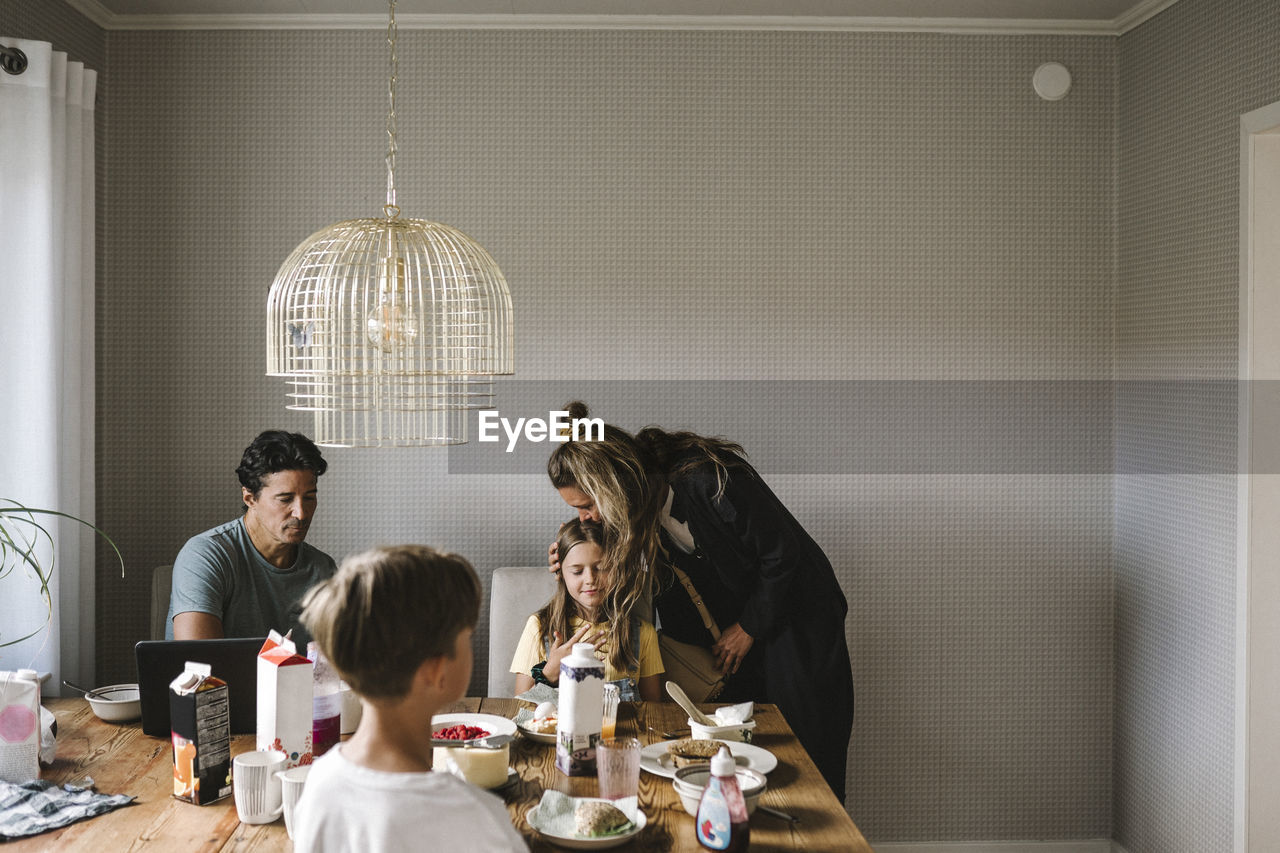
{"points": [[388, 610]]}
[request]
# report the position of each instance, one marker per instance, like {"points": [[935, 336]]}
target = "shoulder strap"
{"points": [[697, 601]]}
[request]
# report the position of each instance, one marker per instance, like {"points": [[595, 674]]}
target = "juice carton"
{"points": [[19, 726], [284, 700], [200, 719]]}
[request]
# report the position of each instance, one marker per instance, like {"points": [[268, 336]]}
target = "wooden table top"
{"points": [[121, 759]]}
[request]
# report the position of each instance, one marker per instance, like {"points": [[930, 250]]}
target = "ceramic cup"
{"points": [[257, 789], [292, 782]]}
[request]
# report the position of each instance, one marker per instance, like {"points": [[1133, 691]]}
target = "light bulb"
{"points": [[391, 323]]}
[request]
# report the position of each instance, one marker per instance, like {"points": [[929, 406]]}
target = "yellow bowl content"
{"points": [[484, 768]]}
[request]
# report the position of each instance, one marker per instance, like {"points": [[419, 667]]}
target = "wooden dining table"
{"points": [[120, 759]]}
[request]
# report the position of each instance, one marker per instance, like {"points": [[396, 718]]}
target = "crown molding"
{"points": [[1139, 14], [1143, 11]]}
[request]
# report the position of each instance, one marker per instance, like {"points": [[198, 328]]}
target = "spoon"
{"points": [[88, 694], [682, 699]]}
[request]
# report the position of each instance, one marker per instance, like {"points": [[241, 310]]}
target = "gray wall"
{"points": [[669, 205], [1186, 76]]}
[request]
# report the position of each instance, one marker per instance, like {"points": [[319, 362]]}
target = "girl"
{"points": [[577, 613]]}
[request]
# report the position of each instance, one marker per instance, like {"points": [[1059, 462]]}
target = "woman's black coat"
{"points": [[757, 566]]}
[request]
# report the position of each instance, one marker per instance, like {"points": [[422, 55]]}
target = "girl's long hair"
{"points": [[557, 616], [628, 488], [627, 478]]}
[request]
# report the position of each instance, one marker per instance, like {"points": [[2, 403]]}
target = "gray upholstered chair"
{"points": [[514, 593], [161, 584]]}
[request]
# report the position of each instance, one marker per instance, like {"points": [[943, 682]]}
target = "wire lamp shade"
{"points": [[389, 329]]}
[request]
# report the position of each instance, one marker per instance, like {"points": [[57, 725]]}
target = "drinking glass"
{"points": [[618, 767], [609, 721]]}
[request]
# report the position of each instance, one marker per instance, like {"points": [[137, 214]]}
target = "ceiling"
{"points": [[1061, 16]]}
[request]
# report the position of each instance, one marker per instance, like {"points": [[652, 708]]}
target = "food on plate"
{"points": [[460, 732], [544, 710], [688, 751], [592, 819], [545, 726]]}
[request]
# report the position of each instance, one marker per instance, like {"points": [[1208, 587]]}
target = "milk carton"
{"points": [[200, 720], [284, 700], [19, 726]]}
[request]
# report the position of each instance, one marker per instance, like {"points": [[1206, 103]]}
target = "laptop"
{"points": [[235, 661]]}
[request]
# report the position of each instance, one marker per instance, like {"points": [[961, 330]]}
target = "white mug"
{"points": [[257, 790], [292, 781]]}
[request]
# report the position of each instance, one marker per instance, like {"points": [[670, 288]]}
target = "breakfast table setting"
{"points": [[792, 807]]}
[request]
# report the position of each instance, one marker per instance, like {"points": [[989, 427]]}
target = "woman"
{"points": [[696, 502]]}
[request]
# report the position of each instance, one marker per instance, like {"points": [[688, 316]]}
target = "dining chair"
{"points": [[161, 584], [514, 593]]}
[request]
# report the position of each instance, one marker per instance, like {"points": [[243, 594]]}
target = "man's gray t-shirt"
{"points": [[221, 573]]}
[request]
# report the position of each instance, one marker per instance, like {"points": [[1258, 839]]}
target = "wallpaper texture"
{"points": [[670, 206], [1186, 76]]}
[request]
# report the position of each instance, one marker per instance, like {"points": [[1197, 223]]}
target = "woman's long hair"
{"points": [[628, 488], [680, 452], [627, 478], [557, 616]]}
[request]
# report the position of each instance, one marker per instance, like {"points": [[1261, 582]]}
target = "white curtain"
{"points": [[46, 350]]}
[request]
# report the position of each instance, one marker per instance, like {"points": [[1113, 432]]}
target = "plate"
{"points": [[572, 842], [655, 759], [539, 737], [491, 723]]}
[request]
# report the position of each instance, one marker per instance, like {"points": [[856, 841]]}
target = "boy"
{"points": [[396, 623]]}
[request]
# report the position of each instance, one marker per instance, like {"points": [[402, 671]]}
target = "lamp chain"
{"points": [[392, 210]]}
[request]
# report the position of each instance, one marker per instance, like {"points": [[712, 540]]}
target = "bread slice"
{"points": [[593, 818], [693, 751]]}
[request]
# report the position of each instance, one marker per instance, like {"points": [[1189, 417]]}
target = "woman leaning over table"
{"points": [[695, 501]]}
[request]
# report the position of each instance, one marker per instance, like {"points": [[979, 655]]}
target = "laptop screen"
{"points": [[234, 660]]}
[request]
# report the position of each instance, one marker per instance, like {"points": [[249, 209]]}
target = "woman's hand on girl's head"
{"points": [[553, 558]]}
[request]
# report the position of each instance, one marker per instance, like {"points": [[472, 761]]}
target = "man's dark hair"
{"points": [[276, 450]]}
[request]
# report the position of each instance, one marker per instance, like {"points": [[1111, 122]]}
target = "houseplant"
{"points": [[23, 538]]}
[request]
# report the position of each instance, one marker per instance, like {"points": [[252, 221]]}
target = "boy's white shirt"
{"points": [[348, 807]]}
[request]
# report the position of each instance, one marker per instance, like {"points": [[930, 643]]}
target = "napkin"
{"points": [[38, 806], [540, 693], [731, 715], [556, 814]]}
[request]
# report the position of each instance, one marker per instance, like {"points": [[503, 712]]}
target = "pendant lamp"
{"points": [[389, 329]]}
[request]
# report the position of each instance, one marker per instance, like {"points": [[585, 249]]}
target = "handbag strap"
{"points": [[709, 622]]}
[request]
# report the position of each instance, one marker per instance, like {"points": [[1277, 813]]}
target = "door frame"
{"points": [[1257, 653]]}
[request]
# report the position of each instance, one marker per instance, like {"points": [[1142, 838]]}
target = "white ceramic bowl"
{"points": [[690, 781], [116, 703], [738, 731]]}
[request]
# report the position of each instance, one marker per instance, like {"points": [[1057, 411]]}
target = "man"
{"points": [[247, 576]]}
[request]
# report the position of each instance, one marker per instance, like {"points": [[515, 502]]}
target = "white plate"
{"points": [[540, 737], [657, 760], [573, 842], [491, 723]]}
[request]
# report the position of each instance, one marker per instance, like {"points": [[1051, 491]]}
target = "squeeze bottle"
{"points": [[721, 823]]}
